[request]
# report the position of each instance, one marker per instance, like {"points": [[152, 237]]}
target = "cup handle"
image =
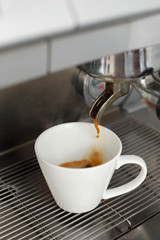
{"points": [[123, 160]]}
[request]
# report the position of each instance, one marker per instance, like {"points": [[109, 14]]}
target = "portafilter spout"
{"points": [[112, 92]]}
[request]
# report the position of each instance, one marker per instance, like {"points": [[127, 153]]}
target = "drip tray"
{"points": [[28, 210]]}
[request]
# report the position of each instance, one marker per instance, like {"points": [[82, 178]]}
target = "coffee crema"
{"points": [[95, 159], [77, 164]]}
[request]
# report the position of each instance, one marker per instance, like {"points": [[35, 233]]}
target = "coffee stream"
{"points": [[95, 156], [96, 127]]}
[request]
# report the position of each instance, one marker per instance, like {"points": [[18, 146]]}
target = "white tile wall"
{"points": [[144, 32], [23, 63], [23, 20], [91, 12], [78, 31]]}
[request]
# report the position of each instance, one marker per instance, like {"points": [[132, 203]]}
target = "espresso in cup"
{"points": [[95, 159]]}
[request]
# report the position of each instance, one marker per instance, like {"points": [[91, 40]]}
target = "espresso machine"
{"points": [[67, 61]]}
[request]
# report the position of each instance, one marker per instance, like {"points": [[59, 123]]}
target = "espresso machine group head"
{"points": [[138, 68]]}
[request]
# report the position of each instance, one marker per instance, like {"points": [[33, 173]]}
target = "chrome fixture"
{"points": [[125, 67], [140, 68]]}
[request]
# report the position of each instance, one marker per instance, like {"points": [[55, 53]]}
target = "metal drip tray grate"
{"points": [[28, 210]]}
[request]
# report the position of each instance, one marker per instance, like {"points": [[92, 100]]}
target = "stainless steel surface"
{"points": [[127, 66], [146, 230], [88, 88], [149, 89], [112, 92], [28, 210], [28, 109]]}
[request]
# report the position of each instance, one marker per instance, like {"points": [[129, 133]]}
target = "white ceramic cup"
{"points": [[80, 190]]}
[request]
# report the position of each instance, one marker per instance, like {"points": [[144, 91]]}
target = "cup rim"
{"points": [[39, 156]]}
